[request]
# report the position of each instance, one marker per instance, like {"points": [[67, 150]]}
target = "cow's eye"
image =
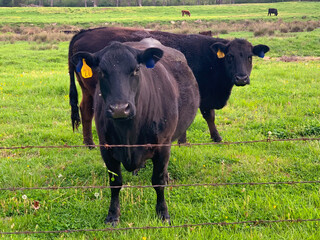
{"points": [[135, 71], [229, 58], [103, 74]]}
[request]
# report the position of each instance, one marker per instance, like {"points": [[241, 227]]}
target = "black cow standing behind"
{"points": [[218, 65], [272, 11], [146, 94]]}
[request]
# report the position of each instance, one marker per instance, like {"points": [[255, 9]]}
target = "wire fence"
{"points": [[255, 222], [153, 186], [165, 145]]}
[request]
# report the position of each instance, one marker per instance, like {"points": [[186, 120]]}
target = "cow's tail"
{"points": [[73, 94]]}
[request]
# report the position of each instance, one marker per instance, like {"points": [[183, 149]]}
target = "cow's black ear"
{"points": [[150, 57], [260, 50], [89, 58], [219, 49]]}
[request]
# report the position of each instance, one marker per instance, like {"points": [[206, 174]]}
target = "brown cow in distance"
{"points": [[217, 64], [206, 33], [186, 12]]}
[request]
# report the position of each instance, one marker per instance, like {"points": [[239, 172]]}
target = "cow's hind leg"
{"points": [[160, 177], [209, 116], [115, 178], [86, 108]]}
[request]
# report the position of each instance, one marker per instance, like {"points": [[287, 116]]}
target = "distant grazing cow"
{"points": [[70, 31], [273, 11], [185, 12], [217, 64], [206, 33], [145, 94]]}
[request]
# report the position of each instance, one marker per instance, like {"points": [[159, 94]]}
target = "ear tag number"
{"points": [[261, 54], [86, 71], [220, 54]]}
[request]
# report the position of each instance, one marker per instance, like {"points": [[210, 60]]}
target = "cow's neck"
{"points": [[127, 134], [214, 94]]}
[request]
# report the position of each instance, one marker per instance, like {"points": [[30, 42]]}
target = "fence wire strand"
{"points": [[163, 145], [153, 186], [255, 222]]}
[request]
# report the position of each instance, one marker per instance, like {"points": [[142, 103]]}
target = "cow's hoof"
{"points": [[91, 147], [164, 216], [217, 139], [112, 220], [89, 144], [166, 220]]}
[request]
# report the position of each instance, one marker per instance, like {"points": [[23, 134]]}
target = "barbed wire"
{"points": [[169, 185], [153, 186], [163, 145], [254, 222]]}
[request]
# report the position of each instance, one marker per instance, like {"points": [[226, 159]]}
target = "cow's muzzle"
{"points": [[120, 111], [241, 80]]}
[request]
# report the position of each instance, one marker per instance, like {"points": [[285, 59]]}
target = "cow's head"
{"points": [[118, 66], [237, 58]]}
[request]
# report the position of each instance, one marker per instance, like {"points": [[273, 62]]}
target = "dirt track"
{"points": [[293, 58]]}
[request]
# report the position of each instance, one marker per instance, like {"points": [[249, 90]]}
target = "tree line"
{"points": [[113, 3]]}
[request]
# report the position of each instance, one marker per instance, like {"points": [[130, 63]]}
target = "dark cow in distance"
{"points": [[145, 94], [272, 11], [185, 12], [218, 65]]}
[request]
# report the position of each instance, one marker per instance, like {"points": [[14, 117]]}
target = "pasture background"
{"points": [[283, 98], [133, 16]]}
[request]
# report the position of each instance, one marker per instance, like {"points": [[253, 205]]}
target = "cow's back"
{"points": [[93, 40]]}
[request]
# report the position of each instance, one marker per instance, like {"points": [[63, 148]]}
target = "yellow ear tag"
{"points": [[86, 71], [220, 54]]}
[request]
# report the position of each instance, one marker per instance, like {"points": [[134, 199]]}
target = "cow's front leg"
{"points": [[160, 177], [86, 108], [115, 179], [209, 116]]}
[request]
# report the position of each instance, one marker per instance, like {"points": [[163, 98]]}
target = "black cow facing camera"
{"points": [[145, 94], [272, 11]]}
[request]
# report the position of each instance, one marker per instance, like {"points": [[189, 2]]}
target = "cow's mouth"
{"points": [[122, 119]]}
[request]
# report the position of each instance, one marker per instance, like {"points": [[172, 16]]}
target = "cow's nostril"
{"points": [[242, 80], [127, 109]]}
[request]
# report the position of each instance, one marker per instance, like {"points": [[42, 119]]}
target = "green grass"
{"points": [[283, 98], [130, 16]]}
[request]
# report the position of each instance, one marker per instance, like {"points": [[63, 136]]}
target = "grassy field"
{"points": [[283, 98], [132, 16]]}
